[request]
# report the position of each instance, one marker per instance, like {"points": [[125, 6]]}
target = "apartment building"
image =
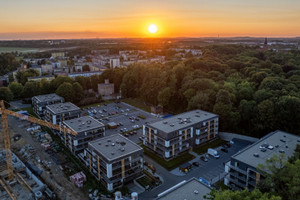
{"points": [[192, 189], [40, 102], [56, 113], [174, 135], [114, 160], [88, 129], [243, 170]]}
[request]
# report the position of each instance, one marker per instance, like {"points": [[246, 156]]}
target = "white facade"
{"points": [[115, 62]]}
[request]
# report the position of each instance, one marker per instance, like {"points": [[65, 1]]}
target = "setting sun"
{"points": [[152, 28]]}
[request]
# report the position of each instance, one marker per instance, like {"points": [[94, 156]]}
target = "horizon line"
{"points": [[179, 37]]}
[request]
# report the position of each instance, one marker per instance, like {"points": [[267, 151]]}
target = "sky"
{"points": [[56, 19]]}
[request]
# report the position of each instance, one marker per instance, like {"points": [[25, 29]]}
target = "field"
{"points": [[19, 49]]}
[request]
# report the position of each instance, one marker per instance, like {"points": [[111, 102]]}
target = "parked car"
{"points": [[213, 153], [228, 145], [131, 133], [120, 124], [224, 150], [140, 138], [196, 164], [203, 158]]}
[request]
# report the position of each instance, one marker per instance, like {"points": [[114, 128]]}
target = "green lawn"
{"points": [[144, 181], [19, 49], [203, 148], [171, 164], [221, 186], [97, 104], [137, 103]]}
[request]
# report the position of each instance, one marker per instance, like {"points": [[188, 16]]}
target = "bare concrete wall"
{"points": [[229, 136]]}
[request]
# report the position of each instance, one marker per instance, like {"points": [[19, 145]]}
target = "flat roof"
{"points": [[192, 189], [114, 146], [48, 97], [278, 139], [182, 121], [82, 124], [62, 107]]}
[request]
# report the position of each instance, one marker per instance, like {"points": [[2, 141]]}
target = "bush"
{"points": [[142, 116]]}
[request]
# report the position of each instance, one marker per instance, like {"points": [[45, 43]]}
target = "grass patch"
{"points": [[145, 181], [19, 49], [142, 116], [221, 186], [96, 104], [137, 103], [171, 164], [213, 144]]}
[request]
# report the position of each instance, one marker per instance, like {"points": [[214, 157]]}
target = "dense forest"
{"points": [[8, 63], [254, 92]]}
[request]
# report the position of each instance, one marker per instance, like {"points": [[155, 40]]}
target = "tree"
{"points": [[31, 89], [65, 90], [282, 176], [238, 195], [164, 96], [86, 68], [45, 87], [6, 94], [22, 76], [16, 89], [200, 101], [78, 92], [265, 116], [60, 80]]}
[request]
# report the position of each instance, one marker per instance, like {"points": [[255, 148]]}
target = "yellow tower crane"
{"points": [[6, 137]]}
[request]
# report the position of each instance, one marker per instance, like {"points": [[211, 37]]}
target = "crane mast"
{"points": [[4, 113]]}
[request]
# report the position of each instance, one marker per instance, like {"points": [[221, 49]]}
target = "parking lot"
{"points": [[213, 167], [129, 120]]}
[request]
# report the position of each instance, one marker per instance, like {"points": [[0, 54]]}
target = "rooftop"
{"points": [[181, 121], [82, 124], [275, 143], [192, 189], [114, 146], [48, 97], [62, 107]]}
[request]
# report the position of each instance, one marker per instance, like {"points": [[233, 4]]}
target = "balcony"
{"points": [[238, 183], [240, 177], [238, 169]]}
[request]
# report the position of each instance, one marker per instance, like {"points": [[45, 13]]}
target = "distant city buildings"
{"points": [[113, 63], [243, 169], [170, 137]]}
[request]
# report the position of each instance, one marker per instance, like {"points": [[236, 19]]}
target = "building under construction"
{"points": [[25, 185]]}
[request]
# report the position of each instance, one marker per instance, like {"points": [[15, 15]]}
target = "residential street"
{"points": [[207, 170]]}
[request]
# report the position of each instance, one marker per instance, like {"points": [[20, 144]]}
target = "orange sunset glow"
{"points": [[90, 19]]}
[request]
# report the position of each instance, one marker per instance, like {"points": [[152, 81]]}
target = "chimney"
{"points": [[134, 196], [118, 195], [106, 81]]}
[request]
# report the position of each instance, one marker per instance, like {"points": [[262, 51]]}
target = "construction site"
{"points": [[28, 170]]}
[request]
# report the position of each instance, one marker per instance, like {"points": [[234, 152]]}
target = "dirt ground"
{"points": [[54, 177]]}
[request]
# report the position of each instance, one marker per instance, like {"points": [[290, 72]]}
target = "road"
{"points": [[206, 170]]}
